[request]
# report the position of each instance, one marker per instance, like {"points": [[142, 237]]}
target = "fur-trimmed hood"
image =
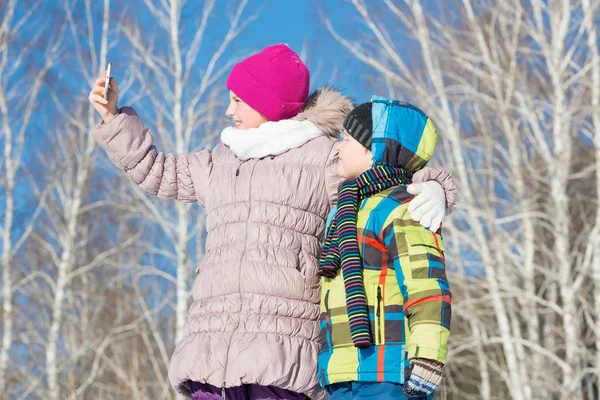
{"points": [[326, 108]]}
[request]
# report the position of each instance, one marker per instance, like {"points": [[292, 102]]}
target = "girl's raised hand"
{"points": [[106, 108]]}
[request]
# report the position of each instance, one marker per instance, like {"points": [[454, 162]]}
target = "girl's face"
{"points": [[354, 158], [244, 117]]}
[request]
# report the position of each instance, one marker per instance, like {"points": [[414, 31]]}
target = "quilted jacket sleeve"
{"points": [[444, 178], [129, 145], [417, 256], [332, 179]]}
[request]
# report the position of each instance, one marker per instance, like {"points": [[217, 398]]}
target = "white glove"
{"points": [[429, 205]]}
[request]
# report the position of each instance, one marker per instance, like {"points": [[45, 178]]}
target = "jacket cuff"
{"points": [[102, 123], [428, 341]]}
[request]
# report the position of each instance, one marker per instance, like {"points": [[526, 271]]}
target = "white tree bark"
{"points": [[16, 118], [556, 53], [72, 207], [591, 11]]}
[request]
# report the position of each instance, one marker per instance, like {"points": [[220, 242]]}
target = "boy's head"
{"points": [[272, 85], [388, 132], [355, 155]]}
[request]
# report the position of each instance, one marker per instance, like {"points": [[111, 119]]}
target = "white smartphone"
{"points": [[107, 83]]}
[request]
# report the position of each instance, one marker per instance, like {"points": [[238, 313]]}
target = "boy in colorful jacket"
{"points": [[385, 298]]}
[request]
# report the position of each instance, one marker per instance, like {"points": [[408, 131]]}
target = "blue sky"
{"points": [[298, 24], [294, 22]]}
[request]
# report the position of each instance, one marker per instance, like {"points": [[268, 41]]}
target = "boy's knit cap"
{"points": [[397, 133], [359, 124]]}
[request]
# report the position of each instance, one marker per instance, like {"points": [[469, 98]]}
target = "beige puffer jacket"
{"points": [[255, 311]]}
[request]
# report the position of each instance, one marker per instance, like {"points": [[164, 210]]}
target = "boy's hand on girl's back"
{"points": [[429, 205], [106, 108]]}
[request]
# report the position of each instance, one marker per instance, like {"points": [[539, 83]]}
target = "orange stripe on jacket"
{"points": [[447, 299], [437, 245], [372, 242]]}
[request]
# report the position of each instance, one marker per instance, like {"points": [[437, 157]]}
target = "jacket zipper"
{"points": [[237, 173], [379, 301]]}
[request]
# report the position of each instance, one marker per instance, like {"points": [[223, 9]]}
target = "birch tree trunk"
{"points": [[15, 118], [73, 199]]}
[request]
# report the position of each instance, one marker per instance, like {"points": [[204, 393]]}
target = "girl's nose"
{"points": [[229, 111]]}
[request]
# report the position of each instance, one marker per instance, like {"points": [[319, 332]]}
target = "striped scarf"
{"points": [[341, 244]]}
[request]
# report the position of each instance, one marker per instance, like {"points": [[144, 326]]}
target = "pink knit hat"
{"points": [[274, 82]]}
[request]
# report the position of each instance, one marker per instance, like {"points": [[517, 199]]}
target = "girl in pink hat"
{"points": [[252, 329]]}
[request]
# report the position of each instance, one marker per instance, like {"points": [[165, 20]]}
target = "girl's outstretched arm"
{"points": [[129, 145]]}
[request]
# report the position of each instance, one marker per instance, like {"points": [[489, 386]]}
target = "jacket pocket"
{"points": [[426, 255], [379, 317]]}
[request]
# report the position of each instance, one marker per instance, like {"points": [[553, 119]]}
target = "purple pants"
{"points": [[204, 391]]}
